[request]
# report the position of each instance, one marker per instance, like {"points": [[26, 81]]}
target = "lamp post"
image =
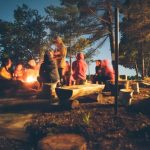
{"points": [[116, 57]]}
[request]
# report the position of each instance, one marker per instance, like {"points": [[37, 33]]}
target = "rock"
{"points": [[62, 142], [74, 104]]}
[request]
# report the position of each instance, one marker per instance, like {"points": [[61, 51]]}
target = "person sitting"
{"points": [[10, 87], [4, 70], [5, 76], [67, 73], [108, 75], [107, 71], [6, 80], [18, 72], [79, 69], [98, 72], [48, 73]]}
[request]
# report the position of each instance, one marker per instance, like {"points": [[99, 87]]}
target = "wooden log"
{"points": [[63, 142], [75, 91], [125, 96]]}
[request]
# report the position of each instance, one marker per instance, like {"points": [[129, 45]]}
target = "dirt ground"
{"points": [[97, 123]]}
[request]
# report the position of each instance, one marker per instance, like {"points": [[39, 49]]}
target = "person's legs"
{"points": [[99, 79], [61, 75], [80, 82], [94, 79]]}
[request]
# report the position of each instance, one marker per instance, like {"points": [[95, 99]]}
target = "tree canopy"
{"points": [[135, 27], [24, 37], [84, 25]]}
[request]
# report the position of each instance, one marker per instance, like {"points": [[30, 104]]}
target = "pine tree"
{"points": [[135, 41]]}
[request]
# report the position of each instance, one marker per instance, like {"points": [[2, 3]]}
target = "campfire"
{"points": [[31, 79], [31, 82], [32, 72]]}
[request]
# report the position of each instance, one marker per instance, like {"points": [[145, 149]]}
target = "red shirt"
{"points": [[79, 67]]}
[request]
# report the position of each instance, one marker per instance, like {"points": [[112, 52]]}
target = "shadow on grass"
{"points": [[27, 106], [142, 106]]}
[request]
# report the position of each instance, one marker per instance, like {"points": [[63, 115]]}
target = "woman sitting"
{"points": [[4, 70], [48, 74], [48, 70], [18, 72], [79, 68]]}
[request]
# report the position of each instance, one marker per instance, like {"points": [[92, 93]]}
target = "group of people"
{"points": [[13, 78], [55, 68], [19, 73]]}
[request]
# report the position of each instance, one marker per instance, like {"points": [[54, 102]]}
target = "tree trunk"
{"points": [[136, 70], [143, 66], [111, 34]]}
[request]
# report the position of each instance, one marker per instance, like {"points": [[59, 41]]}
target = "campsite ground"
{"points": [[128, 130]]}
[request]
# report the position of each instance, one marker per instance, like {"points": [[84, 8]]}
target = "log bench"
{"points": [[72, 93]]}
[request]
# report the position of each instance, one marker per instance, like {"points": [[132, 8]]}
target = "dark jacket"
{"points": [[48, 70]]}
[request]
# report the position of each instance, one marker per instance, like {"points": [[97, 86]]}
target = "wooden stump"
{"points": [[125, 96], [135, 87], [62, 142]]}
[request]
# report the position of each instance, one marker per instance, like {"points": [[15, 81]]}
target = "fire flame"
{"points": [[31, 79]]}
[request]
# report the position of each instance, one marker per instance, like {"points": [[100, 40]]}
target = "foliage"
{"points": [[82, 24], [134, 45], [86, 118], [23, 38], [92, 20]]}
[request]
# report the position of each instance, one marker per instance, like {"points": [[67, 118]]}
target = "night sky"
{"points": [[7, 6]]}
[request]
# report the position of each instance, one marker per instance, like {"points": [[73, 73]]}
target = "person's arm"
{"points": [[61, 53], [96, 71], [56, 55], [73, 65], [5, 74]]}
